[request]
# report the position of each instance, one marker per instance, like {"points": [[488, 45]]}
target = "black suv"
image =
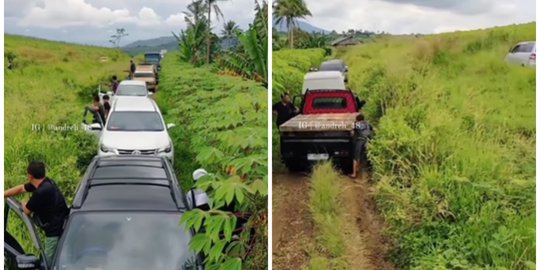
{"points": [[125, 215]]}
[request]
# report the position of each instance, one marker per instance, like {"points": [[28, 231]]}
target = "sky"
{"points": [[93, 21], [418, 16]]}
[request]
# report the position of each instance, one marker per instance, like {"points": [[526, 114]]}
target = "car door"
{"points": [[89, 125], [513, 55], [12, 246]]}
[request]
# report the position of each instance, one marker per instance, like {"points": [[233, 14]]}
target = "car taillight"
{"points": [[533, 56]]}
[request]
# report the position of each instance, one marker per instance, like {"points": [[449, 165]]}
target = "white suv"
{"points": [[132, 88], [523, 53], [135, 126]]}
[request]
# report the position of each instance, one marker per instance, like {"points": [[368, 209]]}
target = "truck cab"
{"points": [[153, 58]]}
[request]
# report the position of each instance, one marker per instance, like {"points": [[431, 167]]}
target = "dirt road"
{"points": [[292, 227], [293, 234]]}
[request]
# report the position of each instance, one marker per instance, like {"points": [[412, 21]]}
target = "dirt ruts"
{"points": [[292, 225]]}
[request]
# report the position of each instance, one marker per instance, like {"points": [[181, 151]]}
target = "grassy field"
{"points": [[455, 149], [454, 152], [50, 85], [221, 126]]}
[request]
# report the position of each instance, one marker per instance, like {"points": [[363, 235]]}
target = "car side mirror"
{"points": [[150, 93], [346, 68], [28, 262], [170, 125], [360, 103], [95, 126]]}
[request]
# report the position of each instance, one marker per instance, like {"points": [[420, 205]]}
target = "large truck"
{"points": [[324, 128], [153, 58]]}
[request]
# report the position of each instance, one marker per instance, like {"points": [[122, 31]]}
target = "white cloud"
{"points": [[417, 16], [72, 13], [175, 20], [65, 13], [148, 17]]}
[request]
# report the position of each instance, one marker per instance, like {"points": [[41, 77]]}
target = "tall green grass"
{"points": [[45, 88], [328, 216], [454, 153]]}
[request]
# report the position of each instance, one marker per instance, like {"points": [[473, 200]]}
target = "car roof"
{"points": [[334, 62], [129, 103], [143, 183], [132, 82], [326, 74]]}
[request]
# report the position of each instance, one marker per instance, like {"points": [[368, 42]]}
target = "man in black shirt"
{"points": [[47, 204], [285, 109], [132, 69], [98, 108]]}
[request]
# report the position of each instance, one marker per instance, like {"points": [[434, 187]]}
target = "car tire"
{"points": [[345, 165]]}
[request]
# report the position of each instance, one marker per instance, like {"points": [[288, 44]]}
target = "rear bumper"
{"points": [[299, 148]]}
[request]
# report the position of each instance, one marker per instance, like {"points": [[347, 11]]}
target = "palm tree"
{"points": [[195, 12], [212, 5], [230, 28], [289, 11]]}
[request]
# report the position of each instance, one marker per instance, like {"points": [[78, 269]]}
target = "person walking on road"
{"points": [[285, 109], [114, 84], [132, 68], [363, 132], [47, 204], [198, 198]]}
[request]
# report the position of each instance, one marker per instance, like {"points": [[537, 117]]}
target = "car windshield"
{"points": [[144, 74], [134, 121], [152, 58], [131, 90], [125, 240], [331, 66], [330, 103]]}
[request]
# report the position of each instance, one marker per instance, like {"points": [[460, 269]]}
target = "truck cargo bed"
{"points": [[319, 122]]}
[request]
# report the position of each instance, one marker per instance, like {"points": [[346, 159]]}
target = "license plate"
{"points": [[317, 156]]}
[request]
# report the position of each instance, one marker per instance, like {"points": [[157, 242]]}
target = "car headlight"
{"points": [[106, 149], [167, 149]]}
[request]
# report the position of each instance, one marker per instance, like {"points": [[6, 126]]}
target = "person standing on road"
{"points": [[285, 109], [132, 68], [98, 108], [197, 197], [114, 84], [106, 105], [363, 132], [47, 204]]}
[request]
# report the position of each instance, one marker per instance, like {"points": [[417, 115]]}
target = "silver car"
{"points": [[523, 53]]}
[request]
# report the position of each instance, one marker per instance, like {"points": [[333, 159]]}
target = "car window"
{"points": [[134, 121], [126, 240], [143, 75], [527, 47], [515, 49], [131, 90], [331, 66], [330, 103]]}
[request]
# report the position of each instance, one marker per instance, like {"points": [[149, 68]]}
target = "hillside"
{"points": [[303, 25], [168, 43], [45, 95], [454, 151]]}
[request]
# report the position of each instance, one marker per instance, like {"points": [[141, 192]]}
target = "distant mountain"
{"points": [[303, 25], [155, 44]]}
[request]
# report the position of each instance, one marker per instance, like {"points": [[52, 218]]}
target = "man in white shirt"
{"points": [[198, 198]]}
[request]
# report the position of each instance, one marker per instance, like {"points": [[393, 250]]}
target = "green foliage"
{"points": [[43, 112], [222, 129], [454, 155], [328, 216], [251, 60], [288, 11]]}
